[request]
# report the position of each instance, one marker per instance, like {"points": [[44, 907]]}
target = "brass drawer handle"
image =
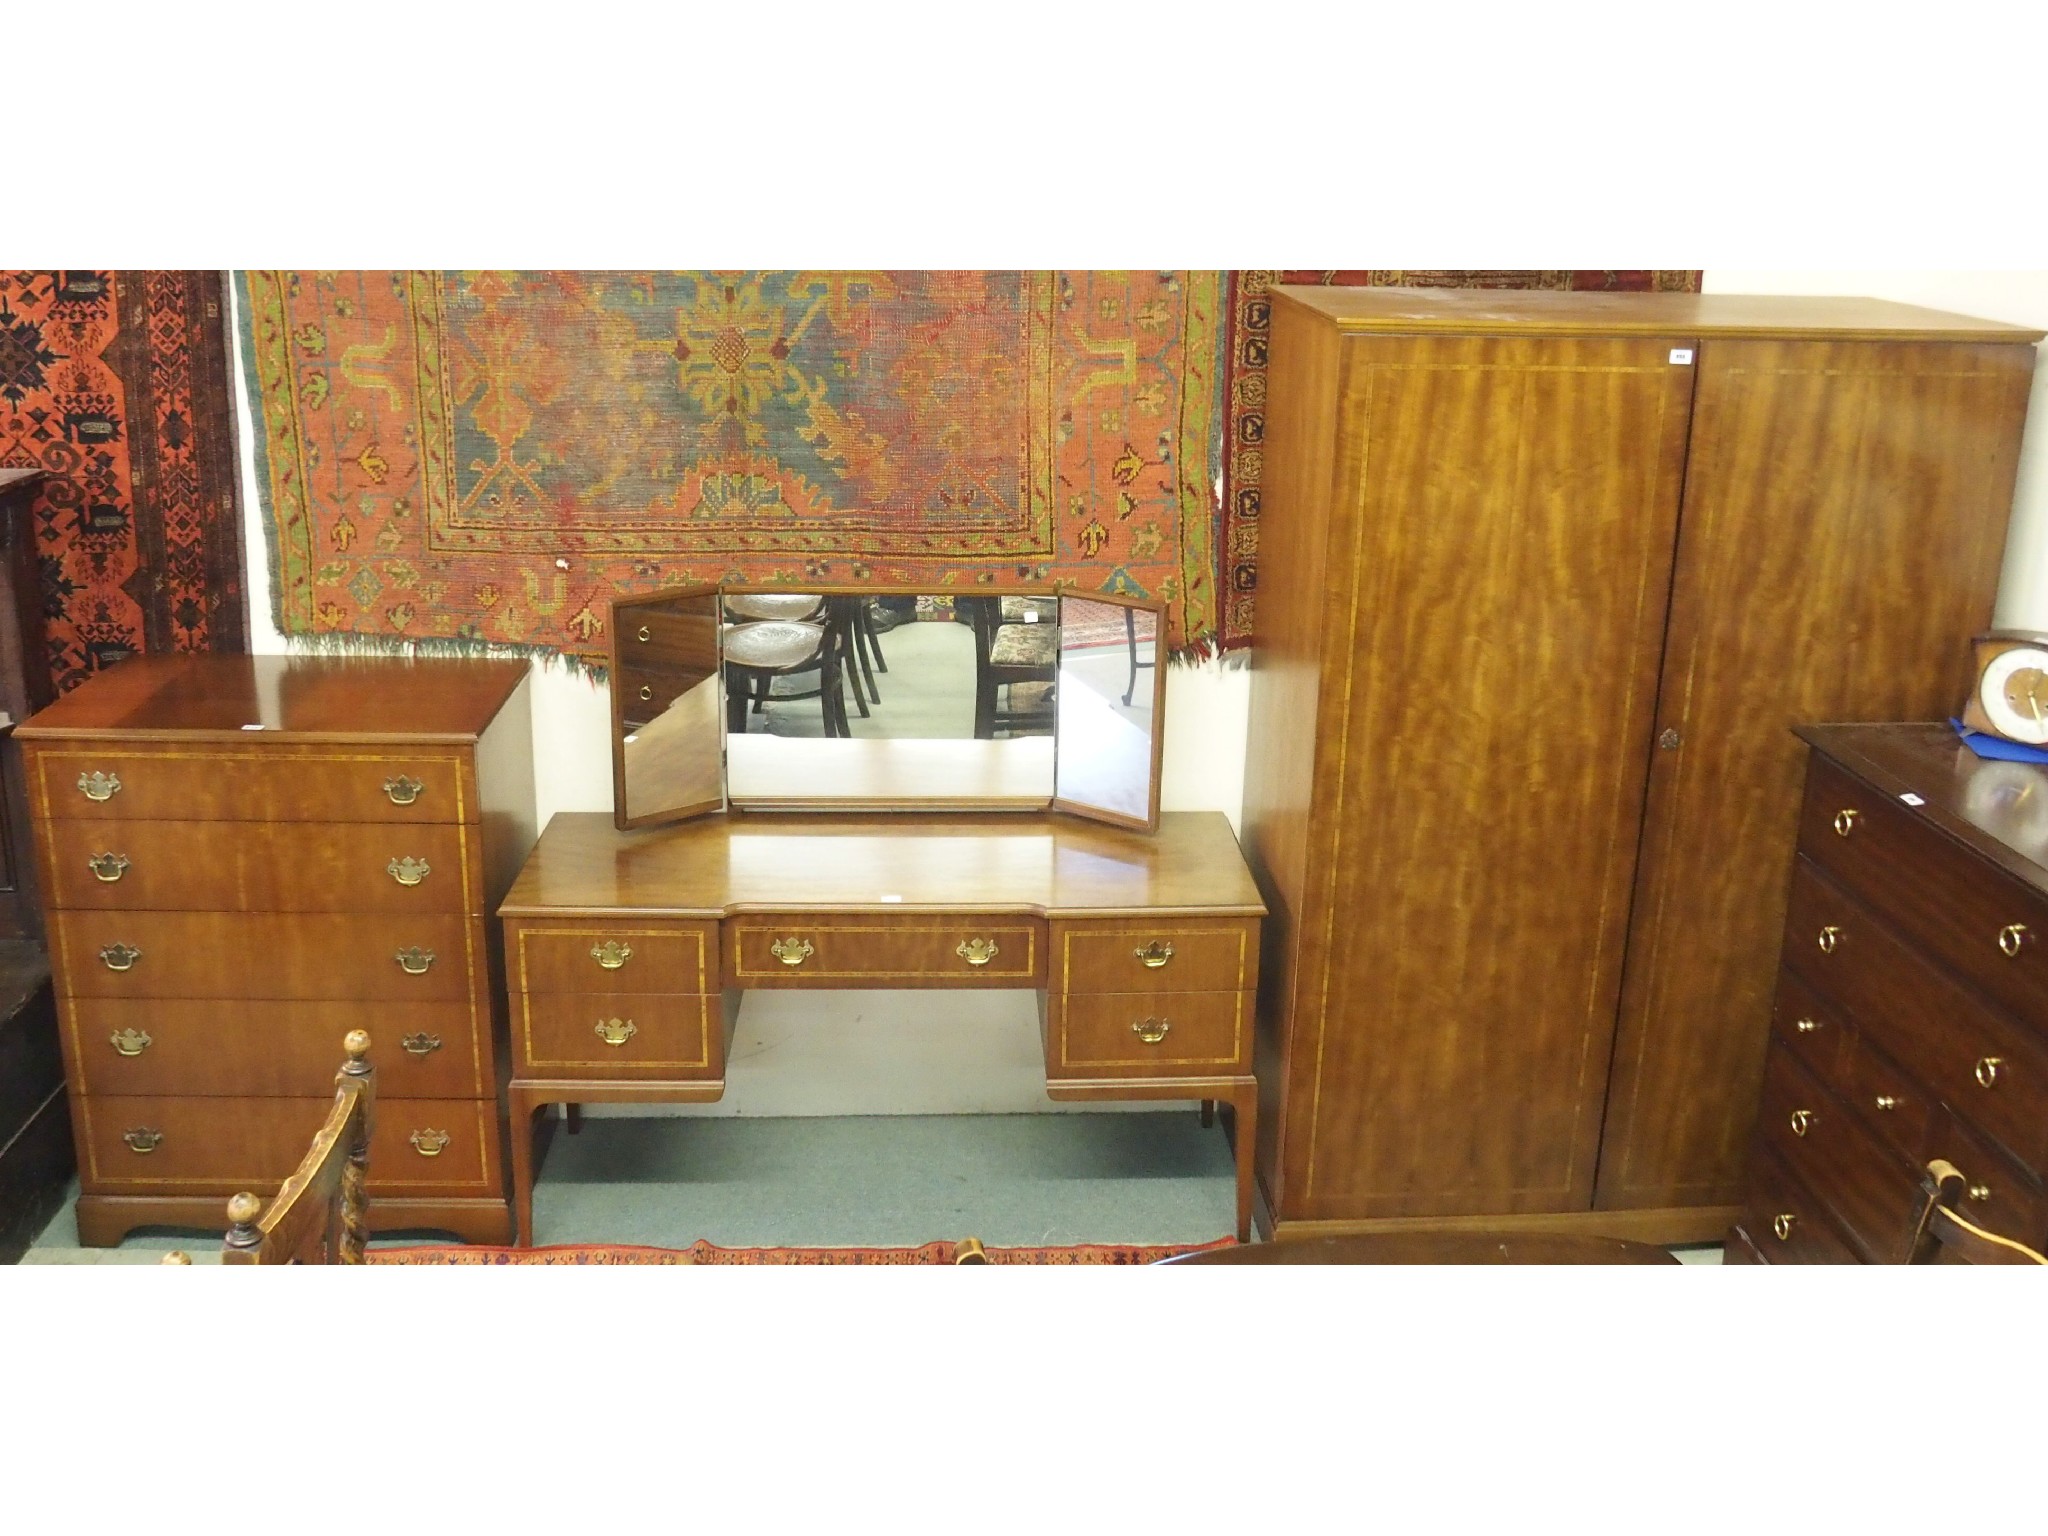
{"points": [[611, 954], [1845, 822], [646, 692], [408, 871], [430, 1143], [108, 867], [2011, 939], [1151, 1031], [1781, 1225], [1830, 936], [403, 790], [421, 1044], [977, 951], [143, 1138], [1802, 1121], [1987, 1070], [615, 1031], [129, 1042], [120, 957], [792, 951], [1887, 1101], [414, 961], [99, 786], [1155, 954], [1807, 1026], [645, 634]]}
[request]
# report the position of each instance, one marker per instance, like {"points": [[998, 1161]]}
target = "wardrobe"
{"points": [[1545, 581]]}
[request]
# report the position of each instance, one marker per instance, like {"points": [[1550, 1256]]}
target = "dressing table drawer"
{"points": [[622, 956], [912, 951], [1167, 956], [1150, 1034], [278, 783], [620, 1035]]}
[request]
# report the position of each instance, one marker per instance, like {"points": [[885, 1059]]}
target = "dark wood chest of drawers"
{"points": [[244, 858], [1911, 1016]]}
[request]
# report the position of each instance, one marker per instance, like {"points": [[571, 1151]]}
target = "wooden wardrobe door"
{"points": [[1845, 510], [1497, 573]]}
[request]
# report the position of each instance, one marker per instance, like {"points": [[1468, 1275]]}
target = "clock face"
{"points": [[2013, 693]]}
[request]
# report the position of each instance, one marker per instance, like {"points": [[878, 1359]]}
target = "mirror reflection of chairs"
{"points": [[1016, 659], [781, 635]]}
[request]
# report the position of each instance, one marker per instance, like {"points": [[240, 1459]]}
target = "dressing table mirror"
{"points": [[856, 700]]}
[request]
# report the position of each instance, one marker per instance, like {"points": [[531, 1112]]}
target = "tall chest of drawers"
{"points": [[1911, 1015], [244, 858]]}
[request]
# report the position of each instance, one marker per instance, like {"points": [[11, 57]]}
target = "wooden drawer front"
{"points": [[254, 955], [1167, 956], [1972, 1056], [1942, 897], [2002, 1198], [1888, 1097], [1152, 1034], [160, 1047], [200, 866], [679, 641], [880, 952], [195, 783], [648, 690], [1785, 1224], [1810, 1028], [657, 1035], [227, 1145], [1868, 1188], [584, 958]]}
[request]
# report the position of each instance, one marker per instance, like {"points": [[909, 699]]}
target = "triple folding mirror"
{"points": [[858, 700]]}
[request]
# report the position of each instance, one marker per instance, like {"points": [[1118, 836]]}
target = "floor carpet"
{"points": [[708, 1253]]}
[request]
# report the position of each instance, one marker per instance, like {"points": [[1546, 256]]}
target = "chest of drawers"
{"points": [[1911, 1015], [244, 858]]}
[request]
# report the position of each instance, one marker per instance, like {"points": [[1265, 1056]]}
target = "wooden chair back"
{"points": [[1945, 1235], [322, 1214]]}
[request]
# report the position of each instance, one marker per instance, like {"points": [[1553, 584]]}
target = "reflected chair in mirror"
{"points": [[1131, 644], [1016, 661], [758, 653], [322, 1214], [1943, 1235], [1435, 1248]]}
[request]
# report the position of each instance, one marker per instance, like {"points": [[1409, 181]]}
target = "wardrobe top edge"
{"points": [[1488, 311]]}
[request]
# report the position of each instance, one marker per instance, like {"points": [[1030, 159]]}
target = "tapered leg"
{"points": [[1245, 1103], [1208, 1113], [572, 1118], [522, 1171]]}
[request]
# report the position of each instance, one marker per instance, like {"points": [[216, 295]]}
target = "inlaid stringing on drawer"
{"points": [[1157, 956], [121, 782], [622, 956]]}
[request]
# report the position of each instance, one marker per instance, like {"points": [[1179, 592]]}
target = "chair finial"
{"points": [[243, 1209]]}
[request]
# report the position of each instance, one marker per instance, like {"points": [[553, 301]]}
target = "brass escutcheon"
{"points": [[414, 961], [1987, 1070], [611, 954], [977, 951], [108, 866], [1155, 954], [403, 790], [791, 951], [2011, 938], [1802, 1121], [1845, 822], [120, 957], [143, 1138], [100, 786], [408, 871], [1830, 936], [129, 1042], [430, 1143], [1151, 1031], [615, 1031], [421, 1044], [1781, 1225]]}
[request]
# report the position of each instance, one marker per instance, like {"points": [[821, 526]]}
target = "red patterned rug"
{"points": [[707, 1253], [486, 458], [117, 383], [1245, 410]]}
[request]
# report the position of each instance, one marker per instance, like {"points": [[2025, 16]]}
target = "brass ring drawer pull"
{"points": [[611, 954], [1151, 1031], [1155, 954], [403, 790], [108, 867], [2011, 939], [792, 951], [1845, 822], [414, 961], [1830, 936], [143, 1138], [646, 692], [1781, 1225], [1802, 1121], [421, 1044], [1987, 1070], [1887, 1101], [615, 1031], [977, 951], [645, 634], [130, 1042], [1807, 1026], [430, 1143], [99, 786], [408, 871], [120, 957]]}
